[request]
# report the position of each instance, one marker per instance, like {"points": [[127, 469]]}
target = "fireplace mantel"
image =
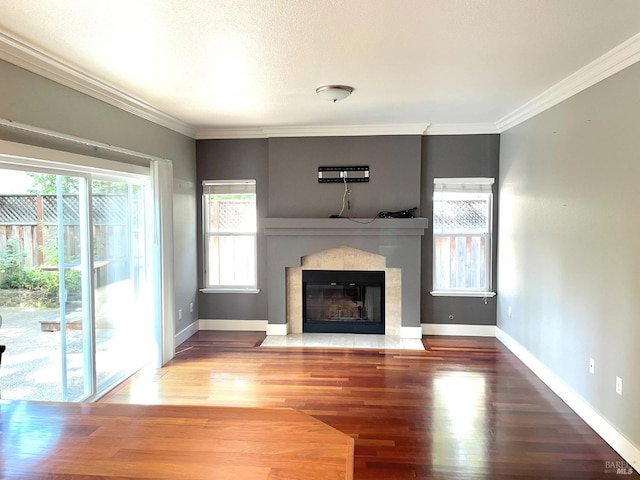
{"points": [[398, 240], [345, 226]]}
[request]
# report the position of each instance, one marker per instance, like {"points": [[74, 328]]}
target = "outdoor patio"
{"points": [[31, 365]]}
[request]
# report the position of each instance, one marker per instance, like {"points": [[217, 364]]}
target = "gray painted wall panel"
{"points": [[569, 235], [228, 160], [456, 156], [184, 250], [402, 170], [394, 163], [287, 186]]}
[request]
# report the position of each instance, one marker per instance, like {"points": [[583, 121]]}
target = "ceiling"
{"points": [[208, 67]]}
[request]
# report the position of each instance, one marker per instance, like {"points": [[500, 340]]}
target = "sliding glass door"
{"points": [[75, 295], [124, 319], [67, 243]]}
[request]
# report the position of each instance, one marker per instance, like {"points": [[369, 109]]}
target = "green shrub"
{"points": [[17, 276], [32, 279], [12, 259]]}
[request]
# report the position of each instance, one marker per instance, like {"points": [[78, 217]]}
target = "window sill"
{"points": [[453, 293], [230, 290]]}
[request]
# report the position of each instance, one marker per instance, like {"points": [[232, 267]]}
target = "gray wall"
{"points": [[294, 190], [33, 100], [230, 160], [569, 235], [184, 250], [456, 156], [402, 172], [286, 173]]}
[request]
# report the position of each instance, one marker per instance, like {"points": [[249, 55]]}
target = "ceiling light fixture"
{"points": [[334, 92]]}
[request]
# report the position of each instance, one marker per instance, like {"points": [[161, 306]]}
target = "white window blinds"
{"points": [[232, 187], [462, 185]]}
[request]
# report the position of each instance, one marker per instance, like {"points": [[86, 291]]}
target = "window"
{"points": [[462, 219], [229, 209]]}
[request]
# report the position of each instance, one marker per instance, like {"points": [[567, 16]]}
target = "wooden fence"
{"points": [[40, 247], [461, 262], [31, 223]]}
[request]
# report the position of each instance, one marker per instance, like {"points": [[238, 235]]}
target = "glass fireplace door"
{"points": [[343, 301]]}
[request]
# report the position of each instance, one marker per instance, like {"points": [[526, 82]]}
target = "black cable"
{"points": [[361, 223]]}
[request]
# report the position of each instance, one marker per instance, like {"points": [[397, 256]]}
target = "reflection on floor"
{"points": [[342, 340], [464, 408]]}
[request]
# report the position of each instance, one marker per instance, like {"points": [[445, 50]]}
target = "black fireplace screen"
{"points": [[343, 301]]}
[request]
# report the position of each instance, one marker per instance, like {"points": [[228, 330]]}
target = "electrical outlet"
{"points": [[592, 366], [191, 307], [509, 311], [618, 385], [179, 314]]}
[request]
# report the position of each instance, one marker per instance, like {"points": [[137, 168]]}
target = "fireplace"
{"points": [[390, 245], [343, 301]]}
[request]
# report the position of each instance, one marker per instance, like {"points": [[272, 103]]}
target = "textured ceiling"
{"points": [[256, 63]]}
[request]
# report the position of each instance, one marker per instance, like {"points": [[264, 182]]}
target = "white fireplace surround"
{"points": [[390, 245], [345, 258]]}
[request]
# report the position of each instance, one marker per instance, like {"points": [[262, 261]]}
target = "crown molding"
{"points": [[214, 133], [25, 56], [462, 129], [615, 60], [348, 130], [312, 131]]}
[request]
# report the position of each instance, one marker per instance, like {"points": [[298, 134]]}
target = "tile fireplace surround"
{"points": [[392, 245]]}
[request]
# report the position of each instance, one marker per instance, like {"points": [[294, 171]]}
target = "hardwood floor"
{"points": [[466, 408], [73, 441]]}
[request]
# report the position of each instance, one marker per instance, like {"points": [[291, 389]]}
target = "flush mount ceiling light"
{"points": [[334, 92]]}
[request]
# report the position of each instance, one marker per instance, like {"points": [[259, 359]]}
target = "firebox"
{"points": [[343, 301]]}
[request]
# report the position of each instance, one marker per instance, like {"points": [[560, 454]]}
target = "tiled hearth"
{"points": [[343, 340]]}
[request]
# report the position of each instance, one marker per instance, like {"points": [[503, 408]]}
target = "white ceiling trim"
{"points": [[461, 128], [313, 131], [29, 58], [229, 133], [617, 59], [349, 130]]}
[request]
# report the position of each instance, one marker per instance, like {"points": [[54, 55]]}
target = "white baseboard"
{"points": [[186, 332], [410, 332], [276, 329], [237, 325], [617, 441], [458, 330]]}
